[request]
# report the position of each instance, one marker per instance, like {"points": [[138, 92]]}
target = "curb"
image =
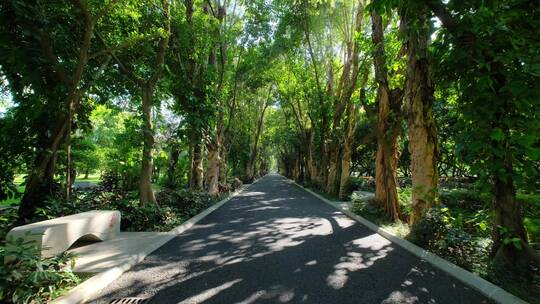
{"points": [[490, 290], [87, 290]]}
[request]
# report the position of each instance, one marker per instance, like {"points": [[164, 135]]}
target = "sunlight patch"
{"points": [[401, 297], [209, 293]]}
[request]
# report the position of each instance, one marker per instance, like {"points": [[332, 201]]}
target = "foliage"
{"points": [[28, 278], [369, 210], [8, 217], [437, 233]]}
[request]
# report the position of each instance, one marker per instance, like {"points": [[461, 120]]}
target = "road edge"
{"points": [[490, 290], [89, 289]]}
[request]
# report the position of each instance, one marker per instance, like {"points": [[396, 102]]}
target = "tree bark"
{"points": [[212, 174], [333, 167], [250, 172], [173, 162], [146, 193], [223, 165], [387, 129], [508, 216], [196, 170], [422, 130], [347, 151]]}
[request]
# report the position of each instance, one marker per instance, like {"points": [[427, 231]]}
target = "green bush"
{"points": [[437, 233], [362, 183], [8, 217], [30, 279], [369, 210], [465, 198]]}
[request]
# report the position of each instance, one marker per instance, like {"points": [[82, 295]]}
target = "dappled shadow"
{"points": [[278, 244]]}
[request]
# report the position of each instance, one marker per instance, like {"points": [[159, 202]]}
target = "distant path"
{"points": [[276, 243]]}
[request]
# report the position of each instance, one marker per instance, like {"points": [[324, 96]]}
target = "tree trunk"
{"points": [[196, 171], [508, 223], [331, 181], [40, 180], [312, 167], [69, 164], [422, 130], [388, 125], [253, 155], [386, 165], [146, 193], [223, 165], [173, 162], [347, 152], [212, 177]]}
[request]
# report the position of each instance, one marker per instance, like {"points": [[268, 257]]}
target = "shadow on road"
{"points": [[276, 243]]}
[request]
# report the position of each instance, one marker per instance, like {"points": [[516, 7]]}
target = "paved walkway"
{"points": [[276, 243]]}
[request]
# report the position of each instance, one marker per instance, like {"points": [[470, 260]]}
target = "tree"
{"points": [[144, 68], [388, 126], [418, 97], [50, 49], [485, 51]]}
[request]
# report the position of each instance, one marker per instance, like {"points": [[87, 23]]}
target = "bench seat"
{"points": [[57, 235]]}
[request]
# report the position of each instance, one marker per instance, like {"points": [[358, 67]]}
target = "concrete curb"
{"points": [[88, 290], [488, 289]]}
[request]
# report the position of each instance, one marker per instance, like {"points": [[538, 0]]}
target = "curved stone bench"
{"points": [[57, 235]]}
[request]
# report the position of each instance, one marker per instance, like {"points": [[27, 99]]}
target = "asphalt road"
{"points": [[276, 243]]}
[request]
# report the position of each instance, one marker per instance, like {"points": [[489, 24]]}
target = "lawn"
{"points": [[19, 180]]}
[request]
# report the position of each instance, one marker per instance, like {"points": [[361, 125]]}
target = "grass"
{"points": [[19, 180], [92, 178]]}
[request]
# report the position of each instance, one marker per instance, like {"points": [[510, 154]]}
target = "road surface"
{"points": [[276, 243]]}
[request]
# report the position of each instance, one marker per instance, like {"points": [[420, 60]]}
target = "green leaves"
{"points": [[30, 279], [497, 134]]}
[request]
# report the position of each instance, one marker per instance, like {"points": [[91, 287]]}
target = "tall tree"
{"points": [[418, 99], [145, 69], [485, 50], [49, 47], [388, 126]]}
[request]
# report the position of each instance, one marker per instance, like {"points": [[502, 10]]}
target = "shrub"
{"points": [[465, 198], [369, 210], [362, 183], [8, 217], [436, 233], [187, 203], [30, 279]]}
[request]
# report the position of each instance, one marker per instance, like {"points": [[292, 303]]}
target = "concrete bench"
{"points": [[57, 235]]}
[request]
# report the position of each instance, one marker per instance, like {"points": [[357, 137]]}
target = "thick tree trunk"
{"points": [[333, 167], [40, 181], [347, 152], [146, 193], [387, 129], [40, 185], [387, 157], [212, 174], [196, 180], [173, 162], [508, 223], [422, 130], [223, 165]]}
